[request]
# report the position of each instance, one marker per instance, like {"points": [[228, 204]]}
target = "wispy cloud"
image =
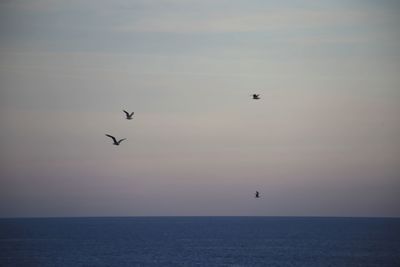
{"points": [[242, 21]]}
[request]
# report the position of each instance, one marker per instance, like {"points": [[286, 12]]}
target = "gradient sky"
{"points": [[322, 141]]}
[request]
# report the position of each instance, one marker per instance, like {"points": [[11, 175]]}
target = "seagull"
{"points": [[116, 143], [257, 194], [256, 96], [128, 115]]}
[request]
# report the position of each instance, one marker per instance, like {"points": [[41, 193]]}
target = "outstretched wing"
{"points": [[112, 137], [128, 115], [121, 140]]}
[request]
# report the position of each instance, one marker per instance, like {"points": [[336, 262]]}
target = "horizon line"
{"points": [[204, 216]]}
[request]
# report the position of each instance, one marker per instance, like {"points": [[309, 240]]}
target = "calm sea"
{"points": [[200, 241]]}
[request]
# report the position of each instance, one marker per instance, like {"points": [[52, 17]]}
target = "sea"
{"points": [[200, 241]]}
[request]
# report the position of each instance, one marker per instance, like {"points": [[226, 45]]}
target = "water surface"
{"points": [[200, 241]]}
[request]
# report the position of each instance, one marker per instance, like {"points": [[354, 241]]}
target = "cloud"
{"points": [[37, 5], [267, 20]]}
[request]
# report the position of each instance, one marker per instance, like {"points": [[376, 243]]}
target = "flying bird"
{"points": [[256, 96], [116, 143], [128, 115], [257, 194]]}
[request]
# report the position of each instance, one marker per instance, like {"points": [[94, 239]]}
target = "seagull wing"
{"points": [[121, 140], [126, 112], [112, 137]]}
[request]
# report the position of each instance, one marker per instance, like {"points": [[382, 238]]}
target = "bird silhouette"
{"points": [[257, 194], [116, 143], [256, 96], [128, 115]]}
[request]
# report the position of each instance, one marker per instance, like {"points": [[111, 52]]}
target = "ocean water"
{"points": [[200, 241]]}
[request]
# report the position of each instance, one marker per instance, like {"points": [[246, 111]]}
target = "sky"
{"points": [[323, 140]]}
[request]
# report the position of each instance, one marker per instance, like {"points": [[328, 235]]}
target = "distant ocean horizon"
{"points": [[196, 216], [200, 241]]}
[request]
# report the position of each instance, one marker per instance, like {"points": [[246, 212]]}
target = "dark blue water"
{"points": [[200, 241]]}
